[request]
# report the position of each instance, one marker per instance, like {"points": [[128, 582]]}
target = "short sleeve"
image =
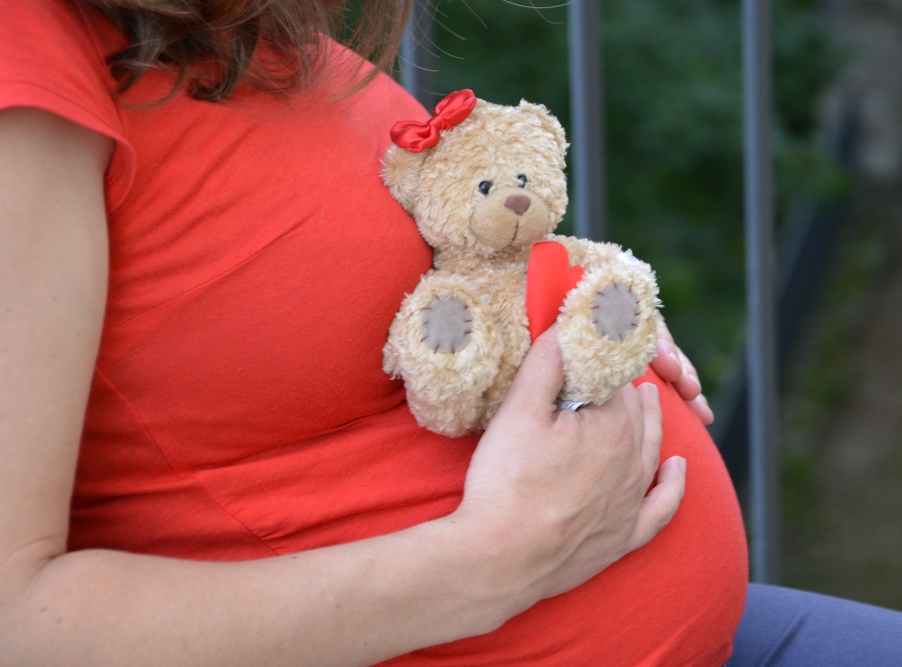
{"points": [[51, 58]]}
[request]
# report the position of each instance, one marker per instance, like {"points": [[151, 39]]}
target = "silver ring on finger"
{"points": [[572, 405]]}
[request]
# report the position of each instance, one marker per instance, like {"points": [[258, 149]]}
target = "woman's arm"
{"points": [[551, 498]]}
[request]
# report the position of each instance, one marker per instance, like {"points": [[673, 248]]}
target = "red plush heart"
{"points": [[548, 279]]}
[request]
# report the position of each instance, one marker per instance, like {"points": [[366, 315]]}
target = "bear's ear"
{"points": [[401, 173], [549, 123]]}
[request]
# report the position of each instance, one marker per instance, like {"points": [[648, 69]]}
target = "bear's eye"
{"points": [[522, 179], [485, 186]]}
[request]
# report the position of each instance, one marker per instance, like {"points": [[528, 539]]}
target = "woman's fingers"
{"points": [[661, 503], [700, 407], [539, 378], [651, 427], [675, 367], [667, 362]]}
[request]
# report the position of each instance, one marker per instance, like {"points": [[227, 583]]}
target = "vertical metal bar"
{"points": [[586, 118], [417, 61], [760, 292]]}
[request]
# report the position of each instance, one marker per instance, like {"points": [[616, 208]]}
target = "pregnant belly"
{"points": [[676, 601]]}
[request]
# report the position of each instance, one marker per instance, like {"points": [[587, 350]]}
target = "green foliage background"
{"points": [[673, 119]]}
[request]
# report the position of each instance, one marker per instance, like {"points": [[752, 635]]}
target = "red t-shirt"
{"points": [[239, 409]]}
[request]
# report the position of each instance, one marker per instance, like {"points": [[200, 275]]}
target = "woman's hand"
{"points": [[674, 367], [562, 494]]}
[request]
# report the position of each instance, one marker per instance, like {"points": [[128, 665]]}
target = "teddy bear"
{"points": [[486, 186]]}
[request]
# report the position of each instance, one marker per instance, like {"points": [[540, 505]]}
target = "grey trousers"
{"points": [[790, 628]]}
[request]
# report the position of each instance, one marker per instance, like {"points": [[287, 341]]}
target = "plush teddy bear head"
{"points": [[481, 178]]}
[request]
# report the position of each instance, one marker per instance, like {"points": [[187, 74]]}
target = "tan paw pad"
{"points": [[447, 324], [615, 311]]}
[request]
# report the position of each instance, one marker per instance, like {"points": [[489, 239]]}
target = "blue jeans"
{"points": [[784, 627]]}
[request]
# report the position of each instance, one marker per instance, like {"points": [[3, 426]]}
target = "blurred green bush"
{"points": [[673, 130]]}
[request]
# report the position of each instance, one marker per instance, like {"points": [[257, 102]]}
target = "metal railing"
{"points": [[761, 296], [587, 174]]}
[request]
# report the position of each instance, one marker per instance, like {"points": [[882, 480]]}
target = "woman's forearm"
{"points": [[354, 604]]}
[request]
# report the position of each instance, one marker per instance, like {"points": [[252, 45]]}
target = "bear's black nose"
{"points": [[519, 204]]}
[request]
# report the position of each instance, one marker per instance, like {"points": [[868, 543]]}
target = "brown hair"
{"points": [[213, 45]]}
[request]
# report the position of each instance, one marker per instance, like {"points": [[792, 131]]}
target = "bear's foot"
{"points": [[447, 324], [615, 311], [607, 330]]}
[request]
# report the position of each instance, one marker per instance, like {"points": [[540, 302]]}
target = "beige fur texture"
{"points": [[490, 188]]}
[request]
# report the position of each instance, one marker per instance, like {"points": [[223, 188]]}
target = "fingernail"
{"points": [[648, 390], [681, 463]]}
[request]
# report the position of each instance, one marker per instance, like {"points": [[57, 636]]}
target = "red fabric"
{"points": [[416, 136], [549, 277], [239, 409]]}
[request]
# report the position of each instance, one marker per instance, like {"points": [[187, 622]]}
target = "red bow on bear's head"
{"points": [[414, 136]]}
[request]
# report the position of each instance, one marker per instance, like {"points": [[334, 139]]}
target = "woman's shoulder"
{"points": [[53, 57], [52, 26], [381, 98], [54, 49]]}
